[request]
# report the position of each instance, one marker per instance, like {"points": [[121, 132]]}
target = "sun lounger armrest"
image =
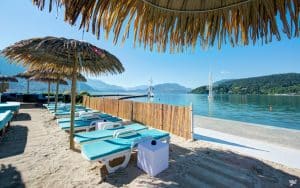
{"points": [[127, 131], [94, 123], [111, 125]]}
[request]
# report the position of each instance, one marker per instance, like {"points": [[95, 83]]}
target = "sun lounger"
{"points": [[12, 106], [84, 116], [106, 133], [52, 109], [87, 124], [5, 118], [122, 145], [66, 114]]}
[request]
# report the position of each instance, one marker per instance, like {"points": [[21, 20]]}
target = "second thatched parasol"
{"points": [[64, 55], [26, 75], [47, 79], [46, 72]]}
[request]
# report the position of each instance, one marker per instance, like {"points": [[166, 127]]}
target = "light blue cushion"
{"points": [[104, 134], [104, 148], [84, 123], [5, 117], [79, 118], [13, 106]]}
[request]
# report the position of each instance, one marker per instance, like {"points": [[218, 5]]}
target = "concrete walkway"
{"points": [[251, 147]]}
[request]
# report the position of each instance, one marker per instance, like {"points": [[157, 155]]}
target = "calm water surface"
{"points": [[284, 112]]}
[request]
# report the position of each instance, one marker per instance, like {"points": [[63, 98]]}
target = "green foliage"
{"points": [[4, 87], [273, 84], [79, 97]]}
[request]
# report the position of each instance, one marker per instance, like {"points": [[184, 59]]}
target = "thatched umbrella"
{"points": [[183, 23], [4, 80], [51, 73], [64, 55], [26, 75], [43, 78]]}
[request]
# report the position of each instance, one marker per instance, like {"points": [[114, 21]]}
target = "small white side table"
{"points": [[153, 159]]}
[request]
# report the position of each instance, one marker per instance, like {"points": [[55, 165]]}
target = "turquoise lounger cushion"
{"points": [[97, 150], [104, 134], [52, 108], [84, 123], [67, 110], [79, 118], [13, 106], [102, 148], [5, 117], [61, 113]]}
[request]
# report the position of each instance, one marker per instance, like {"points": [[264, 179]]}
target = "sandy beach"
{"points": [[34, 153]]}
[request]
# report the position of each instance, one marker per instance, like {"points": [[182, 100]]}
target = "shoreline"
{"points": [[275, 135]]}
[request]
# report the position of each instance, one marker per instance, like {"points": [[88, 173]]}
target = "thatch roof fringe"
{"points": [[178, 24]]}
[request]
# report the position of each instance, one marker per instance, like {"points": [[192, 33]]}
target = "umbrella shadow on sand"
{"points": [[205, 167], [10, 176], [14, 141], [22, 117]]}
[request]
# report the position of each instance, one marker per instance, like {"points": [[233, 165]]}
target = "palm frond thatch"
{"points": [[4, 78], [50, 72], [59, 53], [25, 75], [47, 79], [183, 23]]}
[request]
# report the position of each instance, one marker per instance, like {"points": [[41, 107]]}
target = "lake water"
{"points": [[284, 112]]}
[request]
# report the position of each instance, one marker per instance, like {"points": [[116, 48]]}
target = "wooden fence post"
{"points": [[192, 123], [162, 117], [132, 105], [118, 109], [103, 103]]}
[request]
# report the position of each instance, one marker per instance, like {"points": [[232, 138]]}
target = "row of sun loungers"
{"points": [[109, 138]]}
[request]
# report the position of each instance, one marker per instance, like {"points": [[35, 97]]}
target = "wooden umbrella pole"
{"points": [[73, 101], [27, 86], [48, 93], [56, 95]]}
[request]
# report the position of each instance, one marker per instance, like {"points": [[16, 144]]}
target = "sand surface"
{"points": [[34, 153]]}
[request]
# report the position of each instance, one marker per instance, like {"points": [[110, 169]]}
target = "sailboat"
{"points": [[150, 89], [210, 87]]}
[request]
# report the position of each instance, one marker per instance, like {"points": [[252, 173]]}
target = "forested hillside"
{"points": [[272, 84]]}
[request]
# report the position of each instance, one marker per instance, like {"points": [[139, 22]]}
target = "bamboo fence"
{"points": [[174, 119]]}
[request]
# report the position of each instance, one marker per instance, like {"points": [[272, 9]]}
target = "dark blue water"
{"points": [[284, 111]]}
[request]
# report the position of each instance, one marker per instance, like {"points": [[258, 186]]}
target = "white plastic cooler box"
{"points": [[153, 159]]}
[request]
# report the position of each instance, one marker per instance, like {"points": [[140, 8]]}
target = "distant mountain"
{"points": [[161, 88], [288, 83], [170, 88], [138, 88], [98, 85]]}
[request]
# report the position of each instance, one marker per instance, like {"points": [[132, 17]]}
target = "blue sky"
{"points": [[21, 20]]}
